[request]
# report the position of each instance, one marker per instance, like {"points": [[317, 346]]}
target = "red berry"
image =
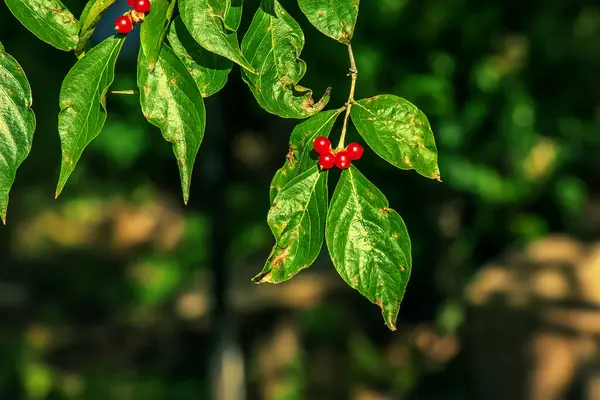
{"points": [[131, 2], [355, 151], [322, 145], [123, 24], [326, 160], [343, 160], [142, 6]]}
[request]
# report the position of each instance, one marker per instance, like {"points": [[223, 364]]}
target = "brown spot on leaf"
{"points": [[290, 155], [384, 211], [370, 99], [280, 258]]}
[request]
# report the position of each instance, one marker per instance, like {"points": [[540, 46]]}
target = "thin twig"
{"points": [[353, 75]]}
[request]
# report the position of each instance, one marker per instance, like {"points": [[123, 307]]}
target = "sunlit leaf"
{"points": [[83, 103], [300, 157], [398, 132], [273, 45], [17, 124], [171, 100], [297, 220], [334, 18], [210, 70], [154, 28], [368, 243], [205, 20], [91, 15], [49, 20]]}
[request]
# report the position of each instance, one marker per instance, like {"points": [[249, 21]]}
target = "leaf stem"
{"points": [[130, 91], [353, 73]]}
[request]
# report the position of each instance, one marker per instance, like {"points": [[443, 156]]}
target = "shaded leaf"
{"points": [[171, 101], [83, 103], [154, 28], [209, 70], [398, 132], [368, 243], [205, 20], [91, 15], [17, 124], [49, 20], [273, 44], [301, 157], [297, 220], [334, 18]]}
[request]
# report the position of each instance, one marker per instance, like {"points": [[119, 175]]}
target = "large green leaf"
{"points": [[299, 158], [17, 124], [368, 243], [154, 28], [297, 220], [398, 132], [273, 44], [89, 19], [171, 100], [83, 103], [334, 18], [49, 20], [210, 70], [205, 20]]}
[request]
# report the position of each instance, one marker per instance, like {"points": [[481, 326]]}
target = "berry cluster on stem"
{"points": [[341, 158], [125, 23]]}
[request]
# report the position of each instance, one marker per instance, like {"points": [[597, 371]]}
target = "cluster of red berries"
{"points": [[124, 23], [340, 158]]}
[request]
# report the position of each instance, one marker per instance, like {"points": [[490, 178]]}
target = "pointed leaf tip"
{"points": [[171, 100]]}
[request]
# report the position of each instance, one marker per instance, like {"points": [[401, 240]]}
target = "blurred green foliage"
{"points": [[106, 293]]}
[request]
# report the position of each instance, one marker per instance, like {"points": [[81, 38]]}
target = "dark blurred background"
{"points": [[118, 291]]}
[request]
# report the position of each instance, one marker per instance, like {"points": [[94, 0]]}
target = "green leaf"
{"points": [[91, 15], [83, 103], [154, 28], [49, 20], [297, 220], [398, 132], [368, 243], [171, 101], [210, 70], [17, 124], [334, 18], [205, 20], [273, 43], [299, 157], [234, 15]]}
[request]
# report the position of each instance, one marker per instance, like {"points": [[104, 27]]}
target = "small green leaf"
{"points": [[89, 19], [368, 243], [17, 124], [171, 100], [210, 70], [334, 18], [154, 28], [398, 132], [205, 20], [299, 158], [49, 20], [273, 43], [297, 220], [83, 103]]}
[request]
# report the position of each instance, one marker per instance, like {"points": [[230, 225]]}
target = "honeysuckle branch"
{"points": [[353, 73]]}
